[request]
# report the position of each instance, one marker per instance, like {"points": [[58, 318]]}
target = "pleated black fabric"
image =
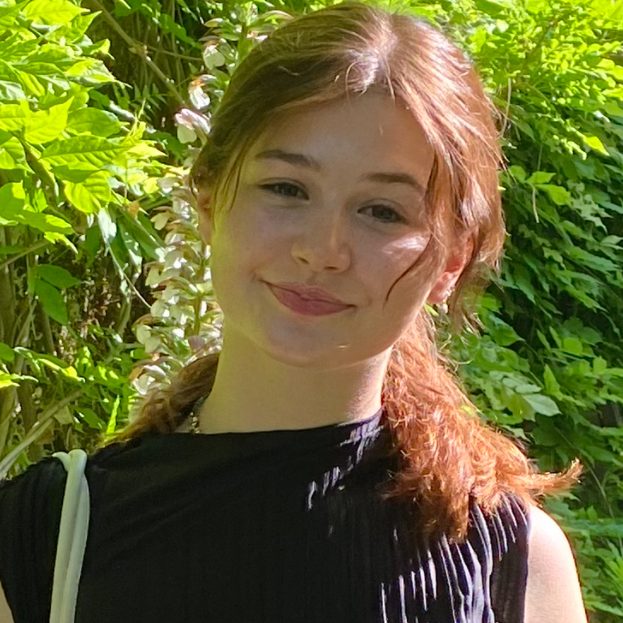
{"points": [[277, 526]]}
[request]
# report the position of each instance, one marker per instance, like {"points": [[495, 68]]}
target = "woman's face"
{"points": [[329, 198]]}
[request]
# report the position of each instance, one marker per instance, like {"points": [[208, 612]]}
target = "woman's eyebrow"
{"points": [[396, 178], [289, 157], [311, 163]]}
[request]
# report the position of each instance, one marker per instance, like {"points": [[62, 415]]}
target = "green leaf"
{"points": [[595, 143], [12, 154], [112, 420], [92, 194], [572, 345], [63, 416], [11, 91], [10, 249], [600, 365], [94, 122], [52, 12], [132, 246], [56, 276], [6, 353], [91, 418], [527, 388], [47, 223], [44, 126], [551, 384], [613, 109], [518, 172], [493, 7], [542, 404], [558, 194], [612, 528], [537, 6], [52, 301], [8, 380], [502, 333], [91, 71], [85, 153], [12, 201], [13, 116], [14, 209], [540, 177], [142, 230], [9, 12], [49, 361], [145, 150]]}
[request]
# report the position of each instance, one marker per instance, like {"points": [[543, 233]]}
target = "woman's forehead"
{"points": [[367, 131]]}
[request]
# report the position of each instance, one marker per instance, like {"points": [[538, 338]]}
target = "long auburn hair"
{"points": [[449, 456]]}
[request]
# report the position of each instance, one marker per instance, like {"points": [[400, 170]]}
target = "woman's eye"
{"points": [[385, 214], [285, 189]]}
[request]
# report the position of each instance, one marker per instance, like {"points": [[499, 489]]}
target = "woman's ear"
{"points": [[457, 259], [204, 211]]}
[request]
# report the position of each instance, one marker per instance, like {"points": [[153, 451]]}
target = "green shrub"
{"points": [[72, 235]]}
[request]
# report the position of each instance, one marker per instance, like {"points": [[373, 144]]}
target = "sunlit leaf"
{"points": [[12, 154], [11, 91], [91, 71], [51, 11], [7, 380], [595, 143], [44, 126], [13, 117], [90, 195], [94, 122], [87, 153]]}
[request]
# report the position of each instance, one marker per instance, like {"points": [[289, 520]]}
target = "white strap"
{"points": [[72, 538]]}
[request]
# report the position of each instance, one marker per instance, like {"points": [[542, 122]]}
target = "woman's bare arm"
{"points": [[553, 593], [5, 611]]}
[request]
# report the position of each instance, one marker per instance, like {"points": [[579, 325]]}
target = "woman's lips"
{"points": [[306, 307]]}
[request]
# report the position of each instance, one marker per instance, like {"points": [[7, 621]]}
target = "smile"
{"points": [[305, 306]]}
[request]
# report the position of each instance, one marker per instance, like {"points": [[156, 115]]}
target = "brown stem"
{"points": [[37, 246], [27, 404], [48, 338], [7, 402], [7, 295], [140, 49]]}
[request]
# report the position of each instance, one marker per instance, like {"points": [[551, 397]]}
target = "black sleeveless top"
{"points": [[260, 527]]}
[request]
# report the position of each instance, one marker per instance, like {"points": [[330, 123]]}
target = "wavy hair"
{"points": [[449, 456]]}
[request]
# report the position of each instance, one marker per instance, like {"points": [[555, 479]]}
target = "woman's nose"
{"points": [[323, 243]]}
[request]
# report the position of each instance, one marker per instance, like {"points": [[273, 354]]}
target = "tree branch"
{"points": [[37, 246], [140, 49]]}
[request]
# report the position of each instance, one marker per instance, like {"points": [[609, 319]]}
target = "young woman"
{"points": [[325, 466]]}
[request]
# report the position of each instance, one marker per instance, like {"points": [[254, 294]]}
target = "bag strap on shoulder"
{"points": [[72, 537]]}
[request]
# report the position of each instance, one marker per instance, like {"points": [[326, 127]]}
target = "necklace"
{"points": [[195, 427]]}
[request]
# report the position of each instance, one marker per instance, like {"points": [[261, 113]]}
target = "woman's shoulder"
{"points": [[553, 590]]}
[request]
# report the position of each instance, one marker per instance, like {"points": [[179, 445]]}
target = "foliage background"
{"points": [[104, 285]]}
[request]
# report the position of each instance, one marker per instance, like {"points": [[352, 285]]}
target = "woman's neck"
{"points": [[255, 392]]}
